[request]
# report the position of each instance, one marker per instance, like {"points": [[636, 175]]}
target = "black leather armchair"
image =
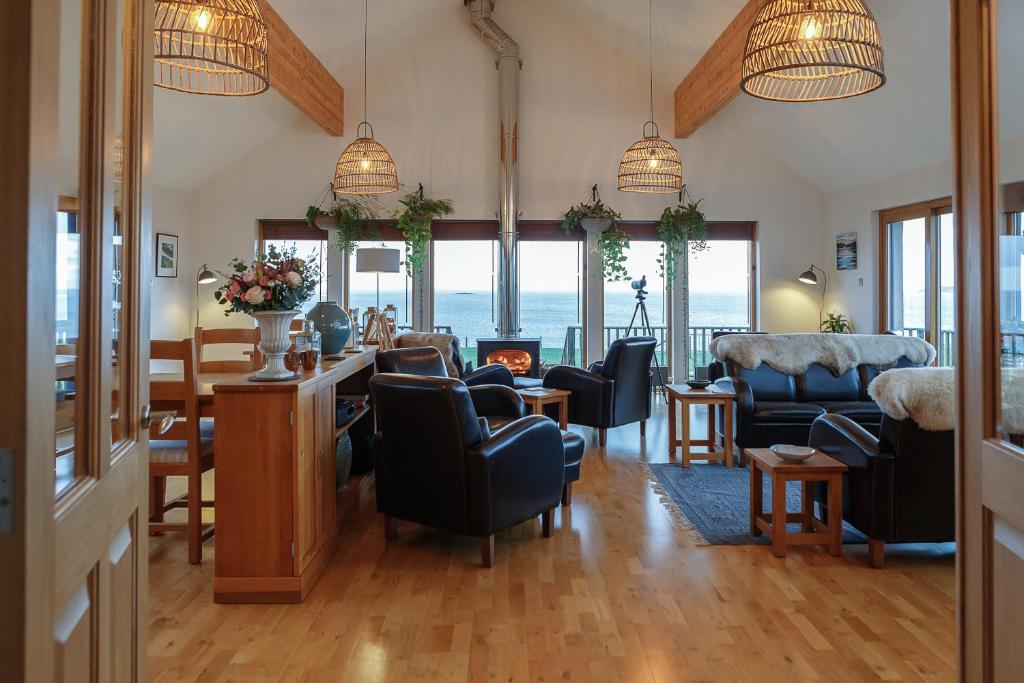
{"points": [[497, 403], [899, 487], [611, 393], [493, 373], [438, 464]]}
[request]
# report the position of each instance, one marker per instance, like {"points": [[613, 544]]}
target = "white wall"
{"points": [[171, 303], [584, 100]]}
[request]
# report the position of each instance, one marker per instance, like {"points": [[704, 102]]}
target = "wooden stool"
{"points": [[818, 467], [536, 398], [711, 397]]}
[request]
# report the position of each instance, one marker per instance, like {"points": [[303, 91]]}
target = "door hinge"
{"points": [[6, 490], [291, 418], [293, 548]]}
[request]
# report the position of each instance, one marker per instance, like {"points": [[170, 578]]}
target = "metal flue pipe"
{"points": [[509, 65]]}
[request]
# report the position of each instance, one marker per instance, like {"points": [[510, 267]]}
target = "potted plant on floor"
{"points": [[272, 289], [414, 221], [594, 216], [836, 323]]}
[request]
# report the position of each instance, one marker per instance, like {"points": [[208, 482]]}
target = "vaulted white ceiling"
{"points": [[903, 126]]}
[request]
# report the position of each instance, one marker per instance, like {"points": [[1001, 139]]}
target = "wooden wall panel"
{"points": [[75, 657], [120, 604]]}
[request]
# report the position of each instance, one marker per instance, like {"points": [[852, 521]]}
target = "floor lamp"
{"points": [[378, 260], [204, 276], [809, 278]]}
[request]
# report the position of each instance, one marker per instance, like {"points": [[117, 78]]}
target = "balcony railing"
{"points": [[1012, 351]]}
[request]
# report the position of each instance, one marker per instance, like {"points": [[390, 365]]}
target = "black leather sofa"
{"points": [[900, 486], [497, 404], [773, 407], [611, 393], [438, 463]]}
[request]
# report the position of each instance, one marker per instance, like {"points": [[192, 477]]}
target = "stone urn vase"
{"points": [[274, 343]]}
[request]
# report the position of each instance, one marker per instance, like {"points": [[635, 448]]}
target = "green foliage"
{"points": [[681, 227], [836, 323], [595, 208], [614, 244], [352, 218], [414, 221], [275, 281]]}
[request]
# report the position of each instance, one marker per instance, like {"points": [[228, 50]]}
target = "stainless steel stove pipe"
{"points": [[509, 65]]}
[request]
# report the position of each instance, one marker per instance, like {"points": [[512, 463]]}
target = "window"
{"points": [[310, 244], [464, 291], [721, 294], [916, 283], [1011, 279], [379, 290], [550, 298], [622, 311]]}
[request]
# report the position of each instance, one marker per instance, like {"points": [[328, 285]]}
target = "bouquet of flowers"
{"points": [[275, 281]]}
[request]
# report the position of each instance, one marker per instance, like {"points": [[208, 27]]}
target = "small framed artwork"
{"points": [[846, 251], [166, 255]]}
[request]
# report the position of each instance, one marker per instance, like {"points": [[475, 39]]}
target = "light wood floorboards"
{"points": [[619, 593]]}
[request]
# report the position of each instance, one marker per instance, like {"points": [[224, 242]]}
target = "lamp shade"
{"points": [[378, 260], [813, 50], [651, 165], [808, 277], [365, 167], [205, 276], [210, 47]]}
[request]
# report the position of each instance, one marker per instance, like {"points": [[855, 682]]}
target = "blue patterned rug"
{"points": [[715, 500]]}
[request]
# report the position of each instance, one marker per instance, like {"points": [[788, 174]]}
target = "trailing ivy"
{"points": [[352, 219], [682, 227], [414, 221], [613, 243]]}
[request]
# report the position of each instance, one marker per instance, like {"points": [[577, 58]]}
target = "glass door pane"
{"points": [[464, 291], [394, 289], [550, 299], [719, 294], [621, 301], [947, 290], [312, 251], [908, 276]]}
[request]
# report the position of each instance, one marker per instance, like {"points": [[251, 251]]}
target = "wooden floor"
{"points": [[620, 593]]}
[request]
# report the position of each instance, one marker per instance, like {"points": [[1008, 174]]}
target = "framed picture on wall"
{"points": [[166, 255], [846, 251]]}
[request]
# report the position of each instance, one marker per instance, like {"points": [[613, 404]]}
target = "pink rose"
{"points": [[263, 281], [254, 295], [266, 294], [248, 277], [293, 279], [235, 287]]}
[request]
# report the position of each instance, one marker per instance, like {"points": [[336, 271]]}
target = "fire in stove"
{"points": [[519, 362]]}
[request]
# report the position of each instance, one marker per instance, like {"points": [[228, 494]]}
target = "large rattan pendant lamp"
{"points": [[365, 166], [651, 164], [813, 50], [210, 47]]}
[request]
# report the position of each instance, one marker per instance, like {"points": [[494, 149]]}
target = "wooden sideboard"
{"points": [[278, 507]]}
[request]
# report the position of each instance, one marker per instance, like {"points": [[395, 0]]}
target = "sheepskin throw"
{"points": [[925, 395], [445, 343], [794, 353]]}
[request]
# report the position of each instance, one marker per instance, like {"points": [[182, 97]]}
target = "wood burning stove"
{"points": [[520, 355]]}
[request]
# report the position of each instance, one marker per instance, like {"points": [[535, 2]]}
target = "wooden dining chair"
{"points": [[179, 448], [248, 336]]}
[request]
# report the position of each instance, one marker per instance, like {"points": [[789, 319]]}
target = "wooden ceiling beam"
{"points": [[300, 78], [715, 81]]}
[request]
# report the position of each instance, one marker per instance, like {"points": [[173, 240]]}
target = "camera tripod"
{"points": [[645, 327]]}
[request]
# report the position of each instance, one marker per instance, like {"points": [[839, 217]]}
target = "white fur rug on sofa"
{"points": [[794, 353], [925, 395]]}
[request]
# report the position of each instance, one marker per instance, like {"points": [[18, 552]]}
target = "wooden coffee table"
{"points": [[818, 467], [538, 397], [712, 397]]}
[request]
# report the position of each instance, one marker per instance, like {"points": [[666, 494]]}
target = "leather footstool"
{"points": [[574, 446]]}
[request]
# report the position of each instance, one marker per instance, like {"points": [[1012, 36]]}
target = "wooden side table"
{"points": [[711, 397], [536, 398], [818, 467]]}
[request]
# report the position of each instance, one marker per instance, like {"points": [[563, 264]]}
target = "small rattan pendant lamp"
{"points": [[651, 164], [365, 166], [813, 50], [210, 47]]}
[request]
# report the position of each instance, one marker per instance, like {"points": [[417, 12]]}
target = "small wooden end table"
{"points": [[711, 397], [818, 467], [538, 397]]}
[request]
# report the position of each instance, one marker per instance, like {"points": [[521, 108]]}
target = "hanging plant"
{"points": [[414, 221], [682, 227], [351, 218], [596, 216]]}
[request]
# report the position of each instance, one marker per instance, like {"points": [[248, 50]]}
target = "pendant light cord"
{"points": [[366, 21], [650, 49]]}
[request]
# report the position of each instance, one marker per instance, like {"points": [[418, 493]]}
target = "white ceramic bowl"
{"points": [[792, 453]]}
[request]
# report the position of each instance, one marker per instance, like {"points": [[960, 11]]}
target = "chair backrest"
{"points": [[178, 394], [628, 362], [446, 344], [246, 336], [425, 361], [425, 426]]}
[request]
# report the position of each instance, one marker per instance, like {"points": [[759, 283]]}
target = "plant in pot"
{"points": [[594, 216], [272, 289], [836, 323], [351, 218], [682, 227], [414, 220]]}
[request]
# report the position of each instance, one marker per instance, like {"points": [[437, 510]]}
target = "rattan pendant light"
{"points": [[365, 166], [210, 47], [813, 50], [651, 164]]}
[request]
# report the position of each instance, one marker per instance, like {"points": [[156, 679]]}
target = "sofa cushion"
{"points": [[786, 411], [819, 384], [858, 411], [767, 383]]}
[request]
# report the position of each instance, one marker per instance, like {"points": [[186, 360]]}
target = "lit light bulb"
{"points": [[202, 18], [811, 28], [365, 163], [653, 163]]}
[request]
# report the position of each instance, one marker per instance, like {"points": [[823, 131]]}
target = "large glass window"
{"points": [[720, 294], [379, 289], [622, 312], [550, 303], [918, 276], [464, 302], [314, 251]]}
